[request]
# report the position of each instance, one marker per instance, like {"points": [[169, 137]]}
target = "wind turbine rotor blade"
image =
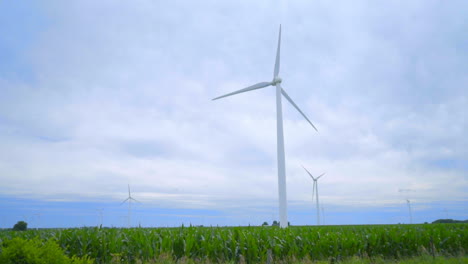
{"points": [[308, 173], [278, 51], [250, 88], [129, 191], [321, 175], [297, 108], [124, 201]]}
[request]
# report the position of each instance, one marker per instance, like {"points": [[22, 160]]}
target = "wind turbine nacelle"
{"points": [[276, 80]]}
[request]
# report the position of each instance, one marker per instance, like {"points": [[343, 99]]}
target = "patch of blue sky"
{"points": [[62, 214], [393, 214], [51, 139], [20, 26], [6, 125], [457, 164]]}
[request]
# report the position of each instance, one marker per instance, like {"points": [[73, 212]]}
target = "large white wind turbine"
{"points": [[129, 199], [279, 130], [323, 215], [315, 190]]}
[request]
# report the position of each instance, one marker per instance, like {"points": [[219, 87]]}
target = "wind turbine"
{"points": [[283, 214], [129, 199], [100, 211], [315, 190], [409, 208], [38, 218]]}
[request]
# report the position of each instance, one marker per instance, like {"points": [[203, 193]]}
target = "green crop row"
{"points": [[257, 244]]}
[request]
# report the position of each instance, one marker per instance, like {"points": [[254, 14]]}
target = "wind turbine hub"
{"points": [[276, 80]]}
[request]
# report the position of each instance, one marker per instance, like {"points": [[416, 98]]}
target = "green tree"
{"points": [[20, 226], [448, 221]]}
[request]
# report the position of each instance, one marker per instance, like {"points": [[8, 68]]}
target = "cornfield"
{"points": [[256, 244]]}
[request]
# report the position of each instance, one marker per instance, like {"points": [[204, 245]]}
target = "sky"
{"points": [[99, 95]]}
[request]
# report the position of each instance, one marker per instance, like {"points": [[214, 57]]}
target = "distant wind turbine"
{"points": [[315, 190], [38, 215], [129, 199], [100, 210], [410, 213], [283, 214]]}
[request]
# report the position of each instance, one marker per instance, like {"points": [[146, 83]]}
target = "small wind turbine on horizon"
{"points": [[38, 218], [129, 199], [410, 213], [283, 214], [100, 211], [315, 190]]}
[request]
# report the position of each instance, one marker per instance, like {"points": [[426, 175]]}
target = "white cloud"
{"points": [[123, 94]]}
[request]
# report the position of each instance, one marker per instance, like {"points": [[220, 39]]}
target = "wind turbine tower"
{"points": [[129, 199], [315, 190], [323, 216], [409, 209], [38, 219], [283, 211], [100, 211]]}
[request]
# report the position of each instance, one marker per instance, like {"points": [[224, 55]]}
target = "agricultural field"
{"points": [[296, 244]]}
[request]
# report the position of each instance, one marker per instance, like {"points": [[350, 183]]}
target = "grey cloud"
{"points": [[129, 90]]}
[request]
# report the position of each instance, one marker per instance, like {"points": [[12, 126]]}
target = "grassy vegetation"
{"points": [[34, 251], [351, 244]]}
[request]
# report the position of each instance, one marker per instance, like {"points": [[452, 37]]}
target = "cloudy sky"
{"points": [[96, 95]]}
